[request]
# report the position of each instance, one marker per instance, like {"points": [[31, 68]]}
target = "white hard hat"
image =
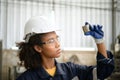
{"points": [[39, 24]]}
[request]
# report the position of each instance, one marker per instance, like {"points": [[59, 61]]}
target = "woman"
{"points": [[42, 46]]}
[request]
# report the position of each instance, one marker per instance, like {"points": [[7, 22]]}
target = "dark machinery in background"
{"points": [[0, 59], [116, 73], [117, 55]]}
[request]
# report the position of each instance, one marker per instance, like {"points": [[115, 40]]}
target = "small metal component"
{"points": [[86, 28]]}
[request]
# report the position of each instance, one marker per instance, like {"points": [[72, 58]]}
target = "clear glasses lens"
{"points": [[52, 40]]}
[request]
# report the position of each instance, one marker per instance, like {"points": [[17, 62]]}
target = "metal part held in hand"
{"points": [[86, 28]]}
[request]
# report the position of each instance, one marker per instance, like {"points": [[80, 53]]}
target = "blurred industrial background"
{"points": [[70, 16]]}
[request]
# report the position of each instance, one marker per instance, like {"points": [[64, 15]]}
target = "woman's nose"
{"points": [[57, 44]]}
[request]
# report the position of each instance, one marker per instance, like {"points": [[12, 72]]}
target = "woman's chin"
{"points": [[58, 55]]}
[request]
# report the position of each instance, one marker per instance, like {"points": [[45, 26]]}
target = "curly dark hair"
{"points": [[28, 56]]}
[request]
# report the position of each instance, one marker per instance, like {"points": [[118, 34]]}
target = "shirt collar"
{"points": [[43, 74], [59, 68]]}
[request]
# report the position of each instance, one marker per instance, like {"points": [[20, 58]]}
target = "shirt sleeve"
{"points": [[83, 72], [105, 66]]}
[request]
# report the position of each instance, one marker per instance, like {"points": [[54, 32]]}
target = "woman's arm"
{"points": [[96, 32], [102, 49], [105, 60]]}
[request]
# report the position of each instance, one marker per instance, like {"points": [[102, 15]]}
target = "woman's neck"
{"points": [[48, 63]]}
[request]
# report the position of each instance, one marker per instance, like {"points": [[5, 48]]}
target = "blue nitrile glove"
{"points": [[96, 32]]}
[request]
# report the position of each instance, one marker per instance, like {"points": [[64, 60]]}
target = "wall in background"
{"points": [[117, 22], [69, 15]]}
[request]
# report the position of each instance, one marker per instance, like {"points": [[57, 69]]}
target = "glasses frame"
{"points": [[52, 40]]}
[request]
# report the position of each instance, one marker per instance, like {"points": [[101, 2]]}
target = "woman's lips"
{"points": [[59, 51]]}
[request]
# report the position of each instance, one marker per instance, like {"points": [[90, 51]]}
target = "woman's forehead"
{"points": [[50, 35]]}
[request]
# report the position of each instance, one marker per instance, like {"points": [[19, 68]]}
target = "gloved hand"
{"points": [[96, 32]]}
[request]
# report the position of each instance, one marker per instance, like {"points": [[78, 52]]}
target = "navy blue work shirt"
{"points": [[67, 71]]}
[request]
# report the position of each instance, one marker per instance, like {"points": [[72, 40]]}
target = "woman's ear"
{"points": [[37, 48]]}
